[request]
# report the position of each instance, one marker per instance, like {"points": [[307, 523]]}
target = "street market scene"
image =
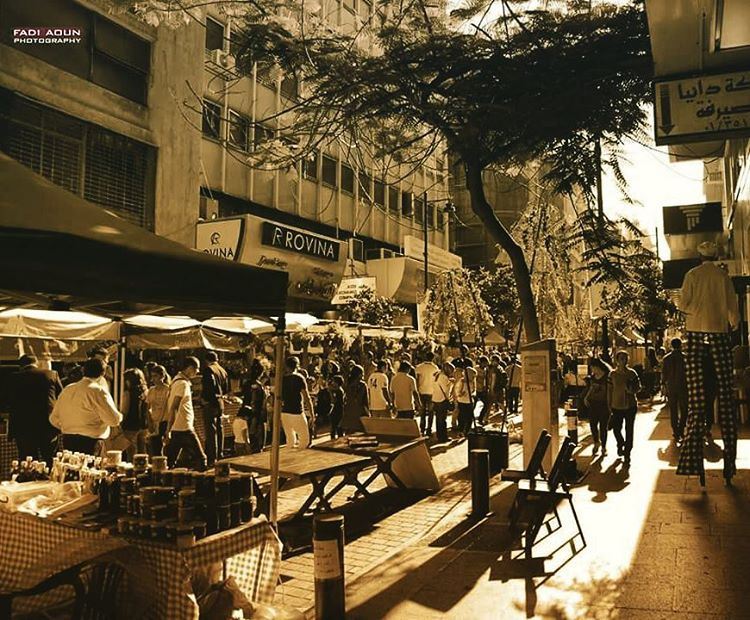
{"points": [[369, 309]]}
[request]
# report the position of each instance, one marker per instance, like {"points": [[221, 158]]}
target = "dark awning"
{"points": [[56, 246]]}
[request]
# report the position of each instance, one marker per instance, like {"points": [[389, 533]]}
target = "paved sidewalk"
{"points": [[659, 548], [410, 522]]}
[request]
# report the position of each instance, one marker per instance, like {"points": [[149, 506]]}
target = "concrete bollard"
{"points": [[571, 417], [479, 462], [328, 551]]}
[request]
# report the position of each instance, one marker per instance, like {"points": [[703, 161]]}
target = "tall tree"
{"points": [[543, 85]]}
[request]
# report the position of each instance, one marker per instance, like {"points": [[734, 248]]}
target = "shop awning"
{"points": [[58, 249], [52, 325]]}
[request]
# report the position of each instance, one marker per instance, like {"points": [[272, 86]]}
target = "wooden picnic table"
{"points": [[317, 467], [382, 455]]}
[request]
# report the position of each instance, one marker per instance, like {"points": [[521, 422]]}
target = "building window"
{"points": [[101, 166], [419, 209], [214, 35], [407, 204], [379, 193], [239, 131], [328, 171], [211, 119], [262, 136], [289, 87], [365, 189], [393, 205], [440, 216], [109, 55], [310, 166], [347, 178], [731, 24]]}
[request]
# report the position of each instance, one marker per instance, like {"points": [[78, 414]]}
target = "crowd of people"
{"points": [[157, 411]]}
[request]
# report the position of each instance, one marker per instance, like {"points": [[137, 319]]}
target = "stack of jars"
{"points": [[178, 505]]}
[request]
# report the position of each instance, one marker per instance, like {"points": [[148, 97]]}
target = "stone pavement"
{"points": [[659, 548], [406, 519]]}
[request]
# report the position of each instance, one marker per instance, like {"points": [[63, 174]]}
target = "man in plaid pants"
{"points": [[709, 302]]}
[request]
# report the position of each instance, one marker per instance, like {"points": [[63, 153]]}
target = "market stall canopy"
{"points": [[57, 248], [149, 322], [237, 325], [55, 325]]}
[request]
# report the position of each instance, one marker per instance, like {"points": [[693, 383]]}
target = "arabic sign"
{"points": [[436, 256], [220, 238], [300, 241], [350, 288], [688, 219], [709, 107]]}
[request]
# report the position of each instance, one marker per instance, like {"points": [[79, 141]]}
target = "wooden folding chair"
{"points": [[538, 498], [535, 467]]}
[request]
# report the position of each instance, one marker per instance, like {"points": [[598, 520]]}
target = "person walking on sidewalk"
{"points": [[498, 383], [404, 392], [215, 387], [181, 436], [294, 400], [625, 384], [380, 397], [709, 302], [426, 373], [466, 393], [442, 400], [356, 404], [597, 401], [514, 387], [674, 380]]}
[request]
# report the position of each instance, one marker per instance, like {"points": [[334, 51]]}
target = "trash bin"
{"points": [[494, 440]]}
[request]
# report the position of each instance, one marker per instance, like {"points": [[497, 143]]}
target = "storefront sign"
{"points": [[220, 238], [436, 256], [299, 241], [351, 287], [709, 107], [690, 219]]}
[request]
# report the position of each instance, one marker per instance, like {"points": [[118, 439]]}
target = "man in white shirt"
{"points": [[404, 391], [442, 400], [84, 411], [426, 373], [181, 426], [380, 398], [106, 380], [710, 305]]}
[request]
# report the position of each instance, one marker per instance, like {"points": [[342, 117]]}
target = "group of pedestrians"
{"points": [[462, 389]]}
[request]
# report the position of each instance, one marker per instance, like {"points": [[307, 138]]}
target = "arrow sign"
{"points": [[665, 108]]}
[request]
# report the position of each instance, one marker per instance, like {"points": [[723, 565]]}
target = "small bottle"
{"points": [[15, 469]]}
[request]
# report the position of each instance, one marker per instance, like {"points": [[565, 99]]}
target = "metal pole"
{"points": [[276, 425], [426, 244], [328, 567]]}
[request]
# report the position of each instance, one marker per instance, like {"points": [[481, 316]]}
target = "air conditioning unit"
{"points": [[222, 59], [356, 249], [209, 208]]}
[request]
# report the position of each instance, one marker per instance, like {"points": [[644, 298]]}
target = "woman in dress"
{"points": [[357, 402]]}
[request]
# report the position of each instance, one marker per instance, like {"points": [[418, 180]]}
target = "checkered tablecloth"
{"points": [[34, 549]]}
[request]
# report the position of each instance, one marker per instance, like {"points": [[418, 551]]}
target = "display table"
{"points": [[317, 467], [35, 548]]}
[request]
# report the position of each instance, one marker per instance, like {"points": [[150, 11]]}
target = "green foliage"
{"points": [[497, 288], [614, 257], [455, 304], [371, 309]]}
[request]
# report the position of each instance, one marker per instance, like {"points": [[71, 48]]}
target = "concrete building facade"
{"points": [[157, 125]]}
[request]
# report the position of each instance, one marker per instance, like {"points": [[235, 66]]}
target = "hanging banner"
{"points": [[350, 288]]}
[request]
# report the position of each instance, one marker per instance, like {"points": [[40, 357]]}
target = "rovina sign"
{"points": [[709, 107], [300, 242]]}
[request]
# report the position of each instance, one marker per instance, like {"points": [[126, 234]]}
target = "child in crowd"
{"points": [[241, 433]]}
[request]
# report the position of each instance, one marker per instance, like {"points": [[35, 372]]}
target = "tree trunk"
{"points": [[499, 233]]}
